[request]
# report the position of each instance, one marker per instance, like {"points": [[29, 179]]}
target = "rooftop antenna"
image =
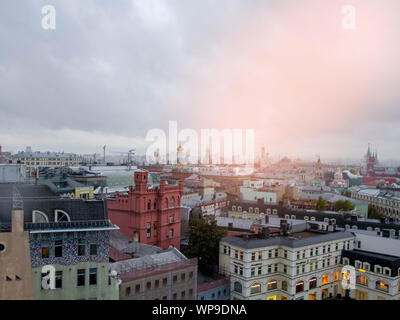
{"points": [[18, 204]]}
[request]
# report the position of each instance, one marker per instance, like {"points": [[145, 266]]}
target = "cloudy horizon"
{"points": [[111, 71]]}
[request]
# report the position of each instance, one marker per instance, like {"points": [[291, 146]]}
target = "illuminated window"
{"points": [[299, 286], [259, 255], [313, 283], [362, 280], [255, 288], [250, 209], [336, 276], [325, 279], [382, 285], [272, 285]]}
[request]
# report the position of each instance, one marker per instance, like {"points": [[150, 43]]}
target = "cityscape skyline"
{"points": [[159, 61]]}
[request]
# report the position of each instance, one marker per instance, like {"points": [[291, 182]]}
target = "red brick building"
{"points": [[149, 216]]}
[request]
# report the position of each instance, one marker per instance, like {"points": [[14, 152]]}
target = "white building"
{"points": [[303, 266], [35, 160]]}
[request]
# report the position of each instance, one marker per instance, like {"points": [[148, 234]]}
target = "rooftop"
{"points": [[295, 240]]}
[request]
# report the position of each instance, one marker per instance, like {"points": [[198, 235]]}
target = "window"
{"points": [[285, 254], [183, 295], [272, 285], [382, 285], [358, 264], [253, 272], [137, 288], [92, 276], [39, 217], [45, 252], [61, 216], [175, 278], [269, 268], [155, 228], [259, 255], [93, 249], [378, 269], [363, 280], [148, 229], [191, 275], [190, 292], [255, 288], [259, 270], [175, 296], [148, 285], [312, 283], [276, 253], [171, 233], [387, 271], [300, 286], [183, 276], [269, 253], [127, 291], [253, 256], [284, 285], [81, 277], [335, 276], [81, 247], [59, 277], [237, 287], [275, 267], [165, 281], [58, 248], [171, 219], [325, 279]]}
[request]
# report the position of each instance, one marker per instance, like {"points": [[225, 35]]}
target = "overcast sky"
{"points": [[112, 70]]}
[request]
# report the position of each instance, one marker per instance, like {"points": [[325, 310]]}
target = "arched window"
{"points": [[255, 288], [61, 215], [325, 279], [250, 209], [293, 217], [272, 284], [300, 286], [312, 283], [39, 217], [237, 287], [233, 208], [239, 208]]}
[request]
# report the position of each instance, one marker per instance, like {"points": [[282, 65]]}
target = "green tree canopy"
{"points": [[344, 205], [321, 204], [373, 212], [204, 238]]}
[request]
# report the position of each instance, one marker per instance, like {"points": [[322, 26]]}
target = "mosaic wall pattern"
{"points": [[69, 248]]}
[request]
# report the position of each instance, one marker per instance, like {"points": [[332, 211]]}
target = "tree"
{"points": [[373, 212], [344, 205], [204, 238], [321, 204]]}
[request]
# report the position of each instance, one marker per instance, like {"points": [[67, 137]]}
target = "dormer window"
{"points": [[61, 215], [39, 217]]}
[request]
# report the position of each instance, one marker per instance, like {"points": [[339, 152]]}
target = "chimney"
{"points": [[265, 233]]}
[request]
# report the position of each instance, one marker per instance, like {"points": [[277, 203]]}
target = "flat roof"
{"points": [[289, 241]]}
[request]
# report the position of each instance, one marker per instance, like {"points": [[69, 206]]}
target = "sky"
{"points": [[113, 70]]}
